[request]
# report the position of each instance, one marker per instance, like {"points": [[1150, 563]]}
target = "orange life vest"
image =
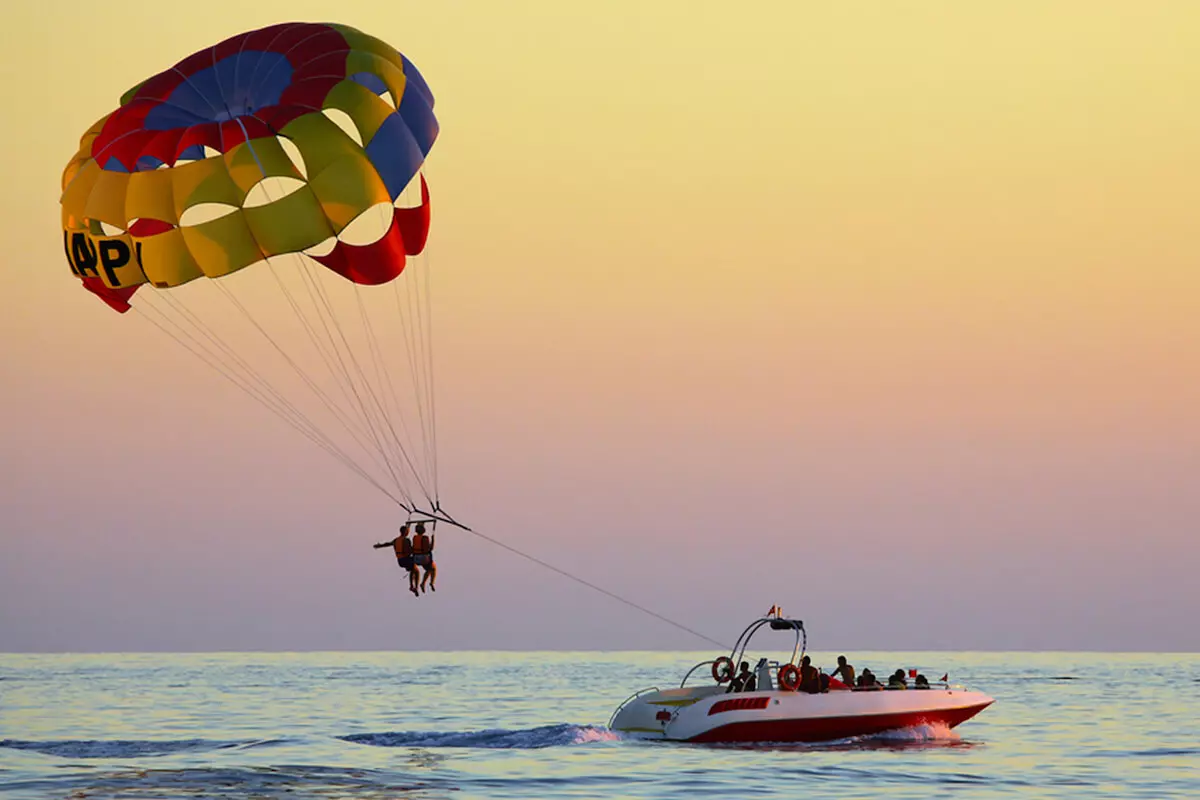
{"points": [[422, 545], [402, 546]]}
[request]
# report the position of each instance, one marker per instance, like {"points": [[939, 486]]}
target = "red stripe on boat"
{"points": [[823, 729], [739, 704]]}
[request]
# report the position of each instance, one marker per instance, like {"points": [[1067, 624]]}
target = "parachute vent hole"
{"points": [[323, 248], [270, 190], [369, 226], [343, 121], [204, 212], [294, 154], [111, 230], [210, 152], [411, 196]]}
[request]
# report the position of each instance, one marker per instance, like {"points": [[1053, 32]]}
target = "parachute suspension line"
{"points": [[428, 271], [233, 361], [421, 352], [589, 584], [408, 309], [325, 314], [332, 407], [432, 383], [211, 355], [405, 319], [383, 374], [414, 370], [239, 381], [226, 355], [316, 342], [381, 416], [306, 324], [376, 407]]}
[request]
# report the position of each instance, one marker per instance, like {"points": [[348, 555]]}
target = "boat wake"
{"points": [[497, 739], [919, 734], [259, 783], [935, 735], [125, 748]]}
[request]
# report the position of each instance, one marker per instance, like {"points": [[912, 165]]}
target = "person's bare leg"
{"points": [[432, 575], [412, 580]]}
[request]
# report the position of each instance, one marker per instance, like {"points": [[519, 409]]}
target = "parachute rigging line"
{"points": [[210, 334], [332, 408], [432, 383], [279, 407], [414, 348], [377, 407]]}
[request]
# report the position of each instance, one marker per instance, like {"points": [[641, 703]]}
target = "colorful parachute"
{"points": [[236, 154], [296, 151]]}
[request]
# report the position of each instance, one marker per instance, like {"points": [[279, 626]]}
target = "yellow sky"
{"points": [[795, 224]]}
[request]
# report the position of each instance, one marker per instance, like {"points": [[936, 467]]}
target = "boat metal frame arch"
{"points": [[743, 642], [777, 624]]}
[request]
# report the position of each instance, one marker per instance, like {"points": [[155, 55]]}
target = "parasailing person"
{"points": [[403, 548], [422, 548]]}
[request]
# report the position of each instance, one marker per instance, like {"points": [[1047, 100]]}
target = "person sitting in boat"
{"points": [[897, 681], [810, 677], [867, 679], [403, 548], [422, 547], [922, 682], [844, 671], [744, 681]]}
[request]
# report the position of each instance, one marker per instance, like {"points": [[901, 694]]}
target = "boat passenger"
{"points": [[922, 682], [810, 677], [897, 681], [403, 548], [744, 681], [844, 672], [423, 556], [867, 679]]}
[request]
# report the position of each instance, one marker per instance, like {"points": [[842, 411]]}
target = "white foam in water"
{"points": [[588, 733], [934, 732]]}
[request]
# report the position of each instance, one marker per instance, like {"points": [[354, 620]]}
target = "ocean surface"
{"points": [[532, 725]]}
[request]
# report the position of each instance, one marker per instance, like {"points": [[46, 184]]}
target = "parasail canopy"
{"points": [[291, 155]]}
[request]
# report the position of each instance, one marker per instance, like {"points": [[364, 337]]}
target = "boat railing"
{"points": [[683, 682], [629, 700]]}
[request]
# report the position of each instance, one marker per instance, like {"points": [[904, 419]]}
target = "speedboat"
{"points": [[779, 709]]}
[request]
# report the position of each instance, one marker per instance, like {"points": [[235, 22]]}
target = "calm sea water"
{"points": [[532, 725]]}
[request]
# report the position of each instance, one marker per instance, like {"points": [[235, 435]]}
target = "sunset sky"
{"points": [[888, 313]]}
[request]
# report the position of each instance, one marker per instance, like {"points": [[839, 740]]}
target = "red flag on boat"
{"points": [[946, 677], [774, 610], [912, 673]]}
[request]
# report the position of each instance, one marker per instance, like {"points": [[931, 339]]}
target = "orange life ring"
{"points": [[789, 678], [722, 670]]}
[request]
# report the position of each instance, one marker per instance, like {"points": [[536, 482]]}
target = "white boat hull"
{"points": [[708, 714]]}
